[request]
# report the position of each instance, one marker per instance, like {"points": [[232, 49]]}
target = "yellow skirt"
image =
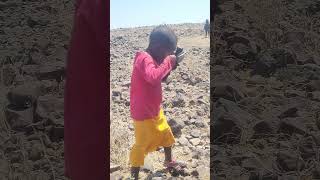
{"points": [[150, 134]]}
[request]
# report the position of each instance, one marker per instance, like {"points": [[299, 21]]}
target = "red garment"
{"points": [[87, 94], [146, 90]]}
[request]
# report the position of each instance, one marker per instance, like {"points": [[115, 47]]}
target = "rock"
{"points": [[307, 148], [48, 104], [242, 47], [183, 141], [114, 168], [41, 175], [204, 172], [289, 160], [16, 157], [315, 96], [294, 93], [4, 168], [31, 70], [199, 123], [195, 173], [294, 36], [36, 152], [195, 133], [52, 71], [178, 101], [234, 64], [263, 127], [227, 91], [314, 85], [56, 133], [316, 172], [195, 141], [8, 75], [24, 95], [316, 137], [229, 118], [251, 164], [289, 177], [48, 86], [293, 125], [271, 60], [176, 127], [290, 112], [19, 118], [148, 167]]}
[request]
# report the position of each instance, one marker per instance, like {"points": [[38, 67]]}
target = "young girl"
{"points": [[150, 124]]}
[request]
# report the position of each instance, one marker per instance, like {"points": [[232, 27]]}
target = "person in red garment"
{"points": [[86, 94]]}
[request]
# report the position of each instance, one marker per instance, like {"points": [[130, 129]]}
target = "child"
{"points": [[206, 27], [150, 124]]}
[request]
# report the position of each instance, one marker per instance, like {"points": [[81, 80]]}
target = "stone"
{"points": [[114, 167], [178, 101], [293, 125], [289, 160], [183, 141], [57, 133], [195, 141], [195, 133], [48, 104], [30, 69], [176, 126], [8, 75], [271, 60], [52, 71], [290, 112], [227, 118], [35, 152], [19, 118], [4, 168], [227, 91], [24, 95]]}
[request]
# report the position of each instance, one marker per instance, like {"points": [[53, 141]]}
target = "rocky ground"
{"points": [[34, 38], [186, 103], [265, 89]]}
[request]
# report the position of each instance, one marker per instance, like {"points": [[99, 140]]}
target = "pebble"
{"points": [[195, 133], [183, 141], [195, 141]]}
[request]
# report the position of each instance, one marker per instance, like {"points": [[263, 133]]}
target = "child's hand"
{"points": [[174, 61]]}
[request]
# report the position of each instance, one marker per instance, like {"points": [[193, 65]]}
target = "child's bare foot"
{"points": [[135, 173], [174, 164]]}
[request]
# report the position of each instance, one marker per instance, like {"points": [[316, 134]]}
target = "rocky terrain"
{"points": [[34, 38], [265, 90], [186, 103]]}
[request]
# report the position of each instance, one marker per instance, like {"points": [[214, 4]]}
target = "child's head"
{"points": [[162, 42]]}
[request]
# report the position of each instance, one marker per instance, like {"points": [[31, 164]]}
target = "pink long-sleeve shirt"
{"points": [[146, 90]]}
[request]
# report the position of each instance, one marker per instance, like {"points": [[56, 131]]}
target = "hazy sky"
{"points": [[133, 13]]}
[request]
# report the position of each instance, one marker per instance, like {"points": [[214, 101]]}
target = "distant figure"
{"points": [[207, 27]]}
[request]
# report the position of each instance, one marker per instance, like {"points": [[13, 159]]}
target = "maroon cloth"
{"points": [[86, 124]]}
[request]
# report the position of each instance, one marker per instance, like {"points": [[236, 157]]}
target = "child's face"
{"points": [[165, 52]]}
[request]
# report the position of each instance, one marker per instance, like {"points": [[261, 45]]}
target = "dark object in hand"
{"points": [[178, 51], [180, 55]]}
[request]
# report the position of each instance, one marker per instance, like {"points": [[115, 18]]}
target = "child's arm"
{"points": [[151, 72]]}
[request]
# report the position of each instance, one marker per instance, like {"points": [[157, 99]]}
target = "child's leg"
{"points": [[135, 172], [168, 154]]}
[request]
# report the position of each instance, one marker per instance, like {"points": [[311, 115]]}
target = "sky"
{"points": [[135, 13]]}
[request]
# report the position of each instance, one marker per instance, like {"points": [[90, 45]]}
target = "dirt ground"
{"points": [[265, 85], [186, 103]]}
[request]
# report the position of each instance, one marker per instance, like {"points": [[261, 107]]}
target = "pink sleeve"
{"points": [[151, 72]]}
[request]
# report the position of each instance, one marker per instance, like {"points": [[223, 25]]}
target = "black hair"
{"points": [[162, 39]]}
